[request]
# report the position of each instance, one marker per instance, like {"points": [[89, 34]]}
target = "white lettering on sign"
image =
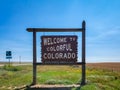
{"points": [[51, 41], [59, 49], [62, 47], [59, 55]]}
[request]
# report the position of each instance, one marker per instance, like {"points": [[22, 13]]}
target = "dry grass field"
{"points": [[105, 66]]}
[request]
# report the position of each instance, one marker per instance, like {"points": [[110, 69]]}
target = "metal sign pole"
{"points": [[9, 61]]}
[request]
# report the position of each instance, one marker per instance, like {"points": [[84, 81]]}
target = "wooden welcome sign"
{"points": [[59, 49]]}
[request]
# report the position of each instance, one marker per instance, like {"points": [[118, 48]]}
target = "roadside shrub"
{"points": [[11, 68]]}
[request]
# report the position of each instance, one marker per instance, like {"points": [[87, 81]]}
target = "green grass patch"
{"points": [[58, 75], [97, 79], [11, 67], [14, 76]]}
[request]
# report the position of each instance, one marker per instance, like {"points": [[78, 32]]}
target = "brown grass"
{"points": [[105, 66]]}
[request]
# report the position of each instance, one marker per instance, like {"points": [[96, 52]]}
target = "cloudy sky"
{"points": [[102, 26]]}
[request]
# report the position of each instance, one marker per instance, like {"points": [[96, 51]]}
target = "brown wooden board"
{"points": [[59, 49]]}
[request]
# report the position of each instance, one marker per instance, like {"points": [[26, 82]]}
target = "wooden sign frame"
{"points": [[83, 63]]}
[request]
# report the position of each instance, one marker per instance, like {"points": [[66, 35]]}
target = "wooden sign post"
{"points": [[47, 41]]}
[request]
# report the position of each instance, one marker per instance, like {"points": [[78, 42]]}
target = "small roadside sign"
{"points": [[8, 54]]}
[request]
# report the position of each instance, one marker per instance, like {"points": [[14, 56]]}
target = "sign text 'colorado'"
{"points": [[59, 49]]}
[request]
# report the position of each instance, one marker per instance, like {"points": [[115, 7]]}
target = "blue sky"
{"points": [[102, 26]]}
